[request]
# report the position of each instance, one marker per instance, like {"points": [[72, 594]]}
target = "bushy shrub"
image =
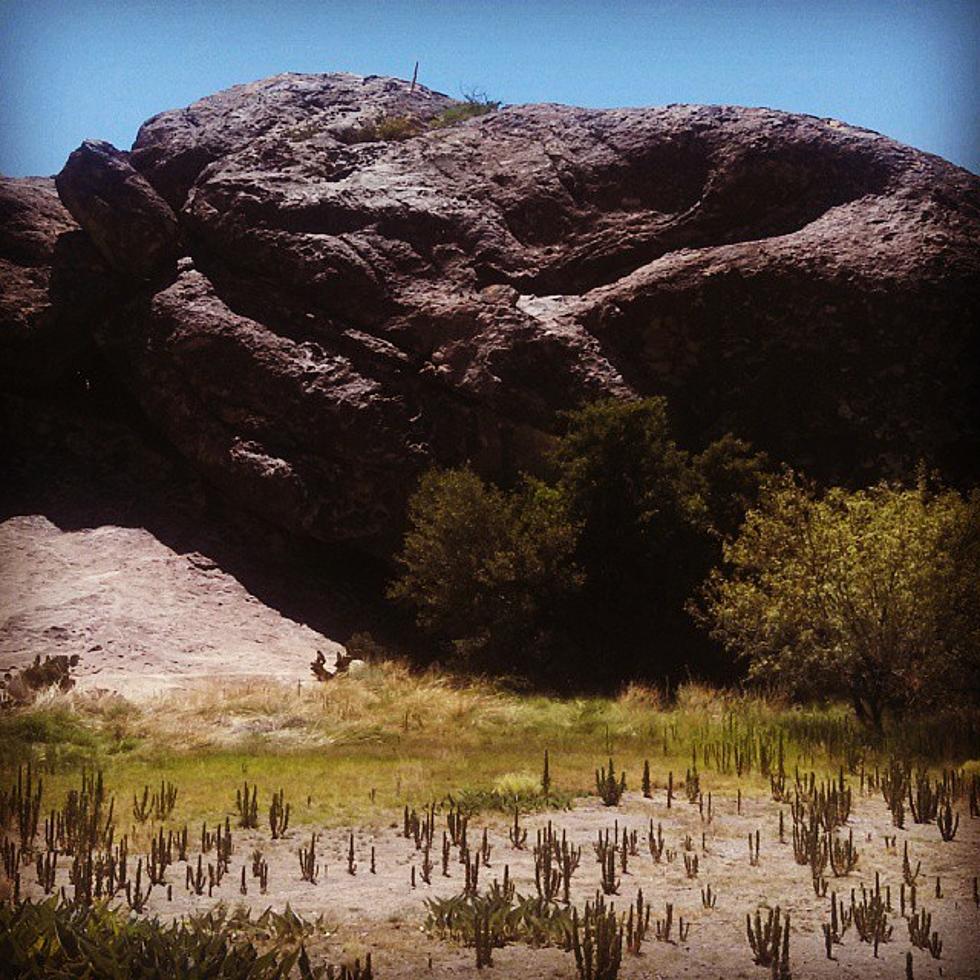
{"points": [[873, 595], [486, 569], [387, 129], [473, 107], [56, 938], [590, 571]]}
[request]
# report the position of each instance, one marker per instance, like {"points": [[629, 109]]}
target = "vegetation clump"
{"points": [[870, 595]]}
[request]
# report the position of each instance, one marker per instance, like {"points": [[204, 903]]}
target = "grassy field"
{"points": [[361, 747]]}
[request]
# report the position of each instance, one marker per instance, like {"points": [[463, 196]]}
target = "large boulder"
{"points": [[130, 224], [352, 309]]}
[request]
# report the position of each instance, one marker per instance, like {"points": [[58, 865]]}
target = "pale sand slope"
{"points": [[141, 616]]}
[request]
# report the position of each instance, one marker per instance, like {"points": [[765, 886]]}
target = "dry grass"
{"points": [[390, 736]]}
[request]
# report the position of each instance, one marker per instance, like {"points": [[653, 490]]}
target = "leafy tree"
{"points": [[731, 477], [873, 595], [486, 569], [596, 565], [642, 546]]}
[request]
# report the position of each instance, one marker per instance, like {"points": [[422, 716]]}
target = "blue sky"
{"points": [[71, 69]]}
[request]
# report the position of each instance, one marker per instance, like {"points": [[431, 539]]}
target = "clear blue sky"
{"points": [[71, 69]]}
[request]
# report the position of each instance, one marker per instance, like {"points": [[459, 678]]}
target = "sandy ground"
{"points": [[383, 913], [141, 616], [145, 616]]}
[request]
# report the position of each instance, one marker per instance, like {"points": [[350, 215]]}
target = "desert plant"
{"points": [[921, 934], [597, 941], [766, 939], [637, 924], [278, 815], [309, 869], [608, 788], [945, 821], [248, 807], [517, 834], [871, 919]]}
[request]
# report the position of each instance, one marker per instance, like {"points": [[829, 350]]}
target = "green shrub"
{"points": [[470, 109], [387, 129], [872, 594], [55, 938], [590, 572], [486, 569]]}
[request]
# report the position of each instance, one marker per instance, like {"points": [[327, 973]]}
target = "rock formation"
{"points": [[350, 309]]}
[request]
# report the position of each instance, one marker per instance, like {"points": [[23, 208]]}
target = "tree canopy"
{"points": [[872, 594]]}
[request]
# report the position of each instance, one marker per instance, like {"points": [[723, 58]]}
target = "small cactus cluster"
{"points": [[608, 788], [769, 941]]}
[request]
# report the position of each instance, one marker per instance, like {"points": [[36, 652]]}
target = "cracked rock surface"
{"points": [[349, 310]]}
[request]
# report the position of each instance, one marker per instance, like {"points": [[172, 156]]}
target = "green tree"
{"points": [[731, 475], [873, 595], [642, 544], [488, 570]]}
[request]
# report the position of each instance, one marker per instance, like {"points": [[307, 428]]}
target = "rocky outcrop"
{"points": [[130, 224], [351, 309], [52, 283]]}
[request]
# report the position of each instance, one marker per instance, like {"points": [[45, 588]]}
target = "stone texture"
{"points": [[52, 281], [129, 223], [351, 310]]}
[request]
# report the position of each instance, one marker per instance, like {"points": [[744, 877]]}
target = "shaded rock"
{"points": [[130, 224], [351, 310], [52, 282]]}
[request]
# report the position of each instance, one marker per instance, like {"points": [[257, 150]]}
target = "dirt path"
{"points": [[141, 616]]}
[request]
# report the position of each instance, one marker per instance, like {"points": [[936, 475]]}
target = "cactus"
{"points": [[248, 807], [517, 834], [662, 927], [546, 777], [136, 898], [547, 877], [766, 938], [692, 785], [47, 868], [637, 924], [920, 926], [309, 869], [278, 815], [871, 919], [142, 807], [610, 883], [195, 880], [486, 849], [426, 867], [843, 855], [691, 865], [924, 803], [754, 851], [945, 822], [351, 860], [597, 943], [164, 801], [607, 787], [656, 843], [709, 899], [645, 784]]}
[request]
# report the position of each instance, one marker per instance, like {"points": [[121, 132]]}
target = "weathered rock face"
{"points": [[353, 309], [130, 224], [52, 283]]}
